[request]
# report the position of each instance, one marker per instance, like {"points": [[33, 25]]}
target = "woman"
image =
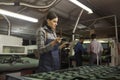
{"points": [[48, 44]]}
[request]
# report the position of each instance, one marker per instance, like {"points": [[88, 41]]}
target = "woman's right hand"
{"points": [[57, 40]]}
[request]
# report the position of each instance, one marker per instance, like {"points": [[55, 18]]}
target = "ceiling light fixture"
{"points": [[81, 5], [19, 16]]}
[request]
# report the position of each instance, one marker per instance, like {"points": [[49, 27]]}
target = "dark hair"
{"points": [[93, 36], [50, 15]]}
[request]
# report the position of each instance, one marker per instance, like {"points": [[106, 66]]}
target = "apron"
{"points": [[49, 61]]}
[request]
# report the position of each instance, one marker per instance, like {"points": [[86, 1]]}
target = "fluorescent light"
{"points": [[19, 16], [99, 40], [81, 5]]}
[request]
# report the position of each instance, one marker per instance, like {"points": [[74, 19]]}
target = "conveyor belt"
{"points": [[27, 63], [79, 73]]}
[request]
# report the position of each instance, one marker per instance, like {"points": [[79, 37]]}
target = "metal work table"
{"points": [[78, 73], [25, 64]]}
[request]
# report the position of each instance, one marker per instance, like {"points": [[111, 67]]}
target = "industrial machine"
{"points": [[13, 57], [11, 45]]}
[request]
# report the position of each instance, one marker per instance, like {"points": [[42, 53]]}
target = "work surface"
{"points": [[25, 64], [78, 73]]}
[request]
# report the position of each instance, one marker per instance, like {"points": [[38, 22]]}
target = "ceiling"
{"points": [[104, 21]]}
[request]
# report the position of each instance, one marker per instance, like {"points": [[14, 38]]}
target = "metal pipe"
{"points": [[97, 18], [97, 59], [5, 3], [22, 10], [29, 5], [117, 42], [9, 24], [73, 42], [116, 29], [76, 24]]}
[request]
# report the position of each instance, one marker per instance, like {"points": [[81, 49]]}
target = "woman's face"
{"points": [[52, 23]]}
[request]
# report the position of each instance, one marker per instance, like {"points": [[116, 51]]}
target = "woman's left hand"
{"points": [[63, 45]]}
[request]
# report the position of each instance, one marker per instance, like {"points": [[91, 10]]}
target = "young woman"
{"points": [[48, 44]]}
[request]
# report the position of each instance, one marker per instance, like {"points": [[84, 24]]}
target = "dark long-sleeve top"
{"points": [[79, 49]]}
